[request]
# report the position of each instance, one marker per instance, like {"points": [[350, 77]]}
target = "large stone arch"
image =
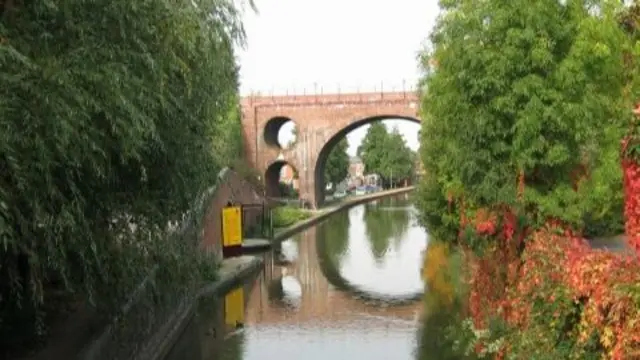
{"points": [[333, 141], [320, 121]]}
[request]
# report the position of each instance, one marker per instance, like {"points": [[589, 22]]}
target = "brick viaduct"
{"points": [[321, 121]]}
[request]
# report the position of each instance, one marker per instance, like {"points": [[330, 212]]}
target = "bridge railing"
{"points": [[382, 87]]}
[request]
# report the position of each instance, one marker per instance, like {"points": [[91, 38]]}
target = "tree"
{"points": [[372, 149], [336, 168], [386, 154], [104, 132], [399, 160], [520, 86]]}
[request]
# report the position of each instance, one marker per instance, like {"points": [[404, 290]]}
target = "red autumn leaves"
{"points": [[631, 177], [559, 268]]}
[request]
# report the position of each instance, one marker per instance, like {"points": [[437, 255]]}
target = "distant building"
{"points": [[356, 167], [372, 179], [288, 176]]}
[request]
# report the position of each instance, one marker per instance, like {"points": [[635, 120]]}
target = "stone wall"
{"points": [[231, 187]]}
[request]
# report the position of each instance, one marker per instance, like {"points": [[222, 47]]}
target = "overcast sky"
{"points": [[302, 45]]}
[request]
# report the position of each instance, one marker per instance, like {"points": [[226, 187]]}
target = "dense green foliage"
{"points": [[524, 86], [286, 190], [387, 154], [115, 117], [333, 235], [336, 168], [284, 216], [541, 88]]}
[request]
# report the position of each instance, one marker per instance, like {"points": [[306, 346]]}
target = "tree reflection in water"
{"points": [[443, 307], [335, 234], [384, 224]]}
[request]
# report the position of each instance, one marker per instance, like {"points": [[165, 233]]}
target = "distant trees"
{"points": [[387, 154], [336, 168]]}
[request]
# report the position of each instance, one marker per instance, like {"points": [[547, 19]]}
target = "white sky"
{"points": [[326, 45]]}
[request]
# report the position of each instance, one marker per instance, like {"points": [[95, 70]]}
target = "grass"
{"points": [[284, 216]]}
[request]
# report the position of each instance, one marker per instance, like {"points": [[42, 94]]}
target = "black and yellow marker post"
{"points": [[231, 231]]}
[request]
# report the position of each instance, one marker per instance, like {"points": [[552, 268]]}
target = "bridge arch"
{"points": [[271, 131], [321, 120], [273, 174], [321, 160]]}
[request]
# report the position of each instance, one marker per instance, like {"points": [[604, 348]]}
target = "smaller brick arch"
{"points": [[272, 129], [272, 177], [333, 141]]}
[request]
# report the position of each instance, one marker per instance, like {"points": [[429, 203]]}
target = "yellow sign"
{"points": [[232, 226], [234, 307]]}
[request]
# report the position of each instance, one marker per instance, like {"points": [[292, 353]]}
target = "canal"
{"points": [[347, 288]]}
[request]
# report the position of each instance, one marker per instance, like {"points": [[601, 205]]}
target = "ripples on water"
{"points": [[331, 292]]}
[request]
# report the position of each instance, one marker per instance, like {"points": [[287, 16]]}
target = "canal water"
{"points": [[348, 288]]}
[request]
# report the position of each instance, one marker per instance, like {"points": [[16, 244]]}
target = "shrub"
{"points": [[284, 216], [109, 112]]}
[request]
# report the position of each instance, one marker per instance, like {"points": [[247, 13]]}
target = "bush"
{"points": [[249, 174], [287, 190], [110, 113], [536, 102], [284, 216]]}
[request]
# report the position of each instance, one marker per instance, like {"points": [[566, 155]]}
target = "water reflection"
{"points": [[330, 295], [288, 251], [216, 330], [386, 261], [443, 313]]}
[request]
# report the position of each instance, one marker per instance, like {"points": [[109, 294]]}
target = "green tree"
{"points": [[114, 118], [398, 160], [336, 168], [386, 154], [372, 150], [520, 86]]}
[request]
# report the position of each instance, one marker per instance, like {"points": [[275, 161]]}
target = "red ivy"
{"points": [[631, 173]]}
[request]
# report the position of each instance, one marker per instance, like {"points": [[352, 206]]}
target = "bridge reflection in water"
{"points": [[347, 288]]}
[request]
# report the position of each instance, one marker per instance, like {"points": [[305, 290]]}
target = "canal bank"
{"points": [[236, 270], [232, 272], [323, 213], [308, 298]]}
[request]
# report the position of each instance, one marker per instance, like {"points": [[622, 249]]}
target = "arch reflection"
{"points": [[377, 255], [325, 302], [285, 290]]}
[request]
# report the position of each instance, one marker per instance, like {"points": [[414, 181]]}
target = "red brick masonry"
{"points": [[319, 119]]}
